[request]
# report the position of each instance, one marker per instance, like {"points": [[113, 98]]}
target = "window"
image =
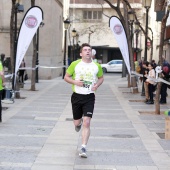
{"points": [[119, 62], [112, 62], [92, 15]]}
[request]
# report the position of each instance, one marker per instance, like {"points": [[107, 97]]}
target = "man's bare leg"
{"points": [[86, 130], [85, 136], [78, 124]]}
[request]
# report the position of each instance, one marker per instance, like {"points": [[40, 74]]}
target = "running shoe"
{"points": [[83, 153]]}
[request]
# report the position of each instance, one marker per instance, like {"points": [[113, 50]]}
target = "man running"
{"points": [[86, 76]]}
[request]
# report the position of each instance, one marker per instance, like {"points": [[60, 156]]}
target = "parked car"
{"points": [[112, 66]]}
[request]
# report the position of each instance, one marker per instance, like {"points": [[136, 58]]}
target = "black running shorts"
{"points": [[82, 105]]}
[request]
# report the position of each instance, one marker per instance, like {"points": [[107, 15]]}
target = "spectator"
{"points": [[2, 58], [151, 83], [2, 81], [163, 92], [145, 73], [21, 71], [94, 55], [154, 64], [137, 66]]}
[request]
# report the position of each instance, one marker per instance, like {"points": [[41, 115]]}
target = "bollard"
{"points": [[167, 127]]}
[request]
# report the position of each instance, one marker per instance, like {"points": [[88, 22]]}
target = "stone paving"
{"points": [[37, 132]]}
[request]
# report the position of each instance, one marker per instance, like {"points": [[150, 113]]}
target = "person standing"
{"points": [[94, 55], [151, 83], [2, 84], [21, 71], [163, 92], [154, 64], [145, 73], [85, 76]]}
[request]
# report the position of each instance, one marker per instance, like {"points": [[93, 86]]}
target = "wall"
{"points": [[50, 40], [50, 36]]}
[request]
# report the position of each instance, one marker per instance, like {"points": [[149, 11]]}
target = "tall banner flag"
{"points": [[28, 28], [120, 36]]}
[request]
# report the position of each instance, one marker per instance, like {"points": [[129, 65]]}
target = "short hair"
{"points": [[84, 45], [151, 64], [146, 63]]}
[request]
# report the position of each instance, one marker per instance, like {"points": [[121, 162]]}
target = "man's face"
{"points": [[86, 53]]}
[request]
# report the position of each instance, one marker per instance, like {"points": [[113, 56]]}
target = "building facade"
{"points": [[91, 21], [50, 35]]}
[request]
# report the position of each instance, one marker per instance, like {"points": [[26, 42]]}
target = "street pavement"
{"points": [[37, 132]]}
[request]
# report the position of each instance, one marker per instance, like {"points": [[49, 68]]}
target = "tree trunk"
{"points": [[12, 36], [163, 27], [157, 105], [131, 82], [13, 45]]}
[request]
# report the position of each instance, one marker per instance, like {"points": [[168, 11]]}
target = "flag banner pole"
{"points": [[28, 28], [120, 36]]}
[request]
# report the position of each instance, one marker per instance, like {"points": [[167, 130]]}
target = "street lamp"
{"points": [[37, 56], [147, 5], [66, 25], [17, 9], [74, 33]]}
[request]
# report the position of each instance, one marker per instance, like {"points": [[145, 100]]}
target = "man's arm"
{"points": [[69, 79], [3, 78], [99, 82]]}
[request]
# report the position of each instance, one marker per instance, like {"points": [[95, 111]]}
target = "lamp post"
{"points": [[147, 5], [77, 38], [37, 56], [77, 45], [137, 34], [151, 44], [74, 33], [18, 8], [137, 30], [66, 25], [131, 20]]}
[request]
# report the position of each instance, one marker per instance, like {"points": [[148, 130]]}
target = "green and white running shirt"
{"points": [[87, 72]]}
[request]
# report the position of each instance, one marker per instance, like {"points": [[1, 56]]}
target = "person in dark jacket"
{"points": [[21, 71], [163, 92]]}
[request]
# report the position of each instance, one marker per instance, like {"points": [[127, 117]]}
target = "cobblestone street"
{"points": [[37, 132]]}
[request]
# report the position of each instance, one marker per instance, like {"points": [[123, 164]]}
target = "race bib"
{"points": [[87, 84]]}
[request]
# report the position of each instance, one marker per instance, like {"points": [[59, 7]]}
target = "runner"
{"points": [[2, 85], [85, 76]]}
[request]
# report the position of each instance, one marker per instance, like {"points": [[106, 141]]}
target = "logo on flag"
{"points": [[31, 21], [118, 29]]}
